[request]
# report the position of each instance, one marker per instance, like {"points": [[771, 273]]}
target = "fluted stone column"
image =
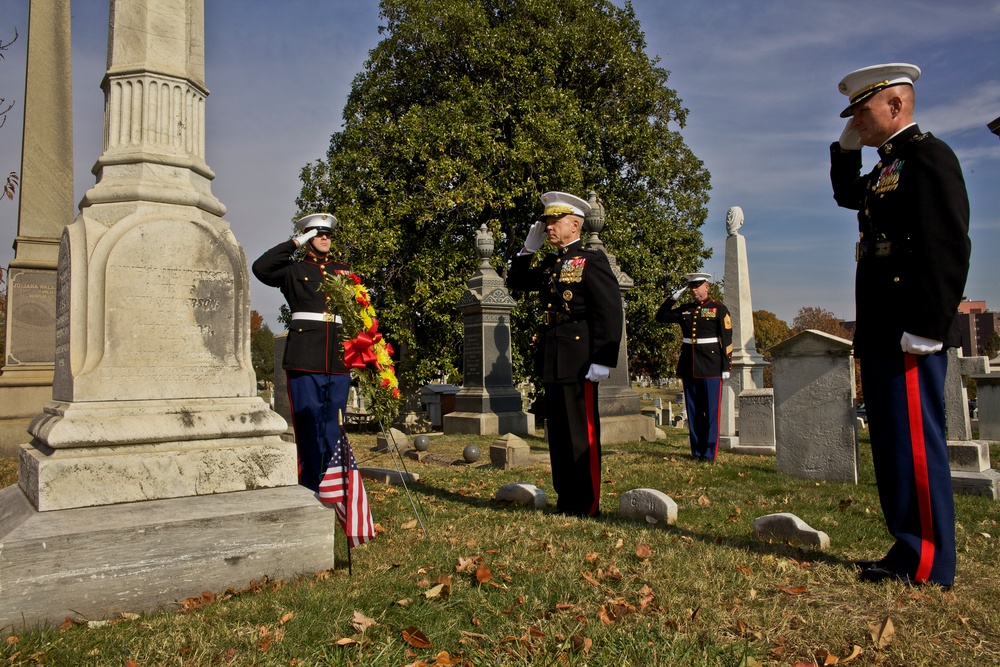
{"points": [[155, 472]]}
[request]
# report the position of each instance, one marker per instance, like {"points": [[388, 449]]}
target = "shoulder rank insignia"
{"points": [[727, 322], [572, 270]]}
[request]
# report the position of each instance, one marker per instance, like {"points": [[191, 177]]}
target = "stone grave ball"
{"points": [[422, 443], [471, 453]]}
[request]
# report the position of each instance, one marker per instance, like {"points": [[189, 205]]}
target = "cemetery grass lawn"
{"points": [[542, 589]]}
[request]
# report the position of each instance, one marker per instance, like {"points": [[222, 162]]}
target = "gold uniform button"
{"points": [[306, 278], [577, 337], [300, 330], [896, 279]]}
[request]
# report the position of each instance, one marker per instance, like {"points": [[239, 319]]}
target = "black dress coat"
{"points": [[913, 218], [312, 346], [701, 321], [582, 309]]}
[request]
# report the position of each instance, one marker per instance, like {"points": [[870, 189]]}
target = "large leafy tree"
{"points": [[464, 113]]}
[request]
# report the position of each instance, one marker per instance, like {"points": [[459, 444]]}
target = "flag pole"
{"points": [[403, 474]]}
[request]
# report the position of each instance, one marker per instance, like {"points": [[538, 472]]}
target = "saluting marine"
{"points": [[318, 382], [912, 263], [579, 339], [705, 360]]}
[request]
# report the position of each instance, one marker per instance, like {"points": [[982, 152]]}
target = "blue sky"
{"points": [[759, 79]]}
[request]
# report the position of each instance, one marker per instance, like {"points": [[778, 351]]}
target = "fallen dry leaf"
{"points": [[403, 602], [592, 557], [620, 543], [645, 596], [131, 663], [882, 632], [362, 622], [348, 641], [855, 652], [433, 591], [287, 617], [13, 639], [643, 551], [793, 590], [483, 574], [409, 524], [466, 563], [415, 637], [704, 501], [744, 569], [590, 579]]}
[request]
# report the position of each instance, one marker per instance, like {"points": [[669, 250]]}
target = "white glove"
{"points": [[598, 372], [850, 140], [536, 235], [725, 375], [677, 295], [304, 237], [919, 345]]}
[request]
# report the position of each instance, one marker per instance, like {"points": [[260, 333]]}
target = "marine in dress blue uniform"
{"points": [[318, 382], [705, 361], [912, 264], [579, 340]]}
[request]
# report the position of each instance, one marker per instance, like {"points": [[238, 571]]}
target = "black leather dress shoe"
{"points": [[877, 574], [868, 564], [874, 575]]}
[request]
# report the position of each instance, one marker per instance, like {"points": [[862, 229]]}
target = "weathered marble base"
{"points": [[986, 483], [731, 443], [142, 557], [489, 423], [627, 428], [969, 455], [85, 477], [18, 406]]}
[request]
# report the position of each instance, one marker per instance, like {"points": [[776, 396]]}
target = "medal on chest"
{"points": [[888, 178], [572, 270]]}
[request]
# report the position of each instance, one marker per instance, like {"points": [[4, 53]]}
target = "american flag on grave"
{"points": [[342, 488]]}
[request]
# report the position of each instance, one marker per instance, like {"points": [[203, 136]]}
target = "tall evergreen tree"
{"points": [[464, 113]]}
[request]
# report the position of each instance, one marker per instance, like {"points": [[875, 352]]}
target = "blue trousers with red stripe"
{"points": [[316, 399], [904, 399], [701, 401], [573, 428]]}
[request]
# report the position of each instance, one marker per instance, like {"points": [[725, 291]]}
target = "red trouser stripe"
{"points": [[919, 467], [593, 444]]}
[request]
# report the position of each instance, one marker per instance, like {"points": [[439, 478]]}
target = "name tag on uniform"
{"points": [[572, 270]]}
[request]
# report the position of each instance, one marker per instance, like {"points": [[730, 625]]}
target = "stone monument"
{"points": [[487, 403], [748, 365], [46, 207], [155, 472], [815, 427], [620, 407]]}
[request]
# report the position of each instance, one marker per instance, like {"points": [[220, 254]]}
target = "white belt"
{"points": [[317, 317], [713, 339]]}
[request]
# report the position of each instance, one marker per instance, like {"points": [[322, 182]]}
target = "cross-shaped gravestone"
{"points": [[956, 396]]}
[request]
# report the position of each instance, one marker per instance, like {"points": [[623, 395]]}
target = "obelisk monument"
{"points": [[45, 208], [748, 366], [155, 472]]}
